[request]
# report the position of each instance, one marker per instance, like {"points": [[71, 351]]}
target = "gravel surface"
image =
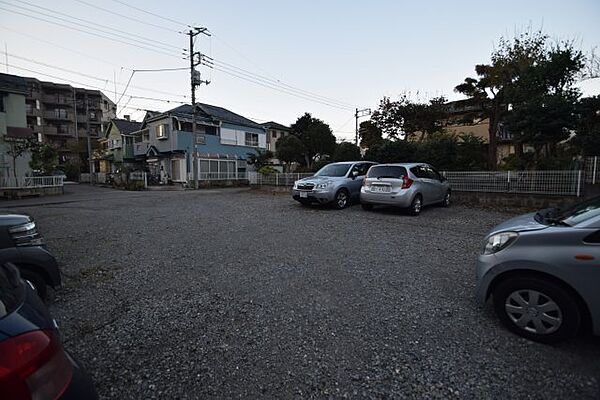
{"points": [[236, 293]]}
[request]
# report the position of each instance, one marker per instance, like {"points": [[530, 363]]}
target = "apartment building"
{"points": [[62, 115]]}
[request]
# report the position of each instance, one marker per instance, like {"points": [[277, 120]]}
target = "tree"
{"points": [[405, 118], [439, 150], [290, 149], [44, 158], [316, 136], [471, 154], [392, 151], [488, 90], [260, 158], [346, 151], [16, 149], [587, 139], [544, 101], [369, 134]]}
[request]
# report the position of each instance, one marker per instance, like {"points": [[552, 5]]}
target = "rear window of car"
{"points": [[12, 290], [387, 171]]}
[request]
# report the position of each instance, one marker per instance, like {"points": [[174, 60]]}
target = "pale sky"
{"points": [[349, 51]]}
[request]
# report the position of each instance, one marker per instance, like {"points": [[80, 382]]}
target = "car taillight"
{"points": [[406, 182], [34, 366]]}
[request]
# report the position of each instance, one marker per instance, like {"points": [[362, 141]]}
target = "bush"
{"points": [[267, 169], [346, 151]]}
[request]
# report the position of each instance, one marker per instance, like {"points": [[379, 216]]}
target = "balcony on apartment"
{"points": [[59, 115], [58, 98], [58, 130], [31, 111]]}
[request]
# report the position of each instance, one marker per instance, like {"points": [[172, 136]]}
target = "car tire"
{"points": [[538, 309], [341, 199], [416, 206], [367, 207], [36, 280], [447, 199]]}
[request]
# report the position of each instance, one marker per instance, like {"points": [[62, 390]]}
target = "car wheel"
{"points": [[447, 199], [37, 281], [416, 206], [367, 207], [537, 309], [341, 200]]}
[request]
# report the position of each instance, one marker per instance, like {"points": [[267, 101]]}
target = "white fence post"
{"points": [[578, 183], [276, 179], [595, 170]]}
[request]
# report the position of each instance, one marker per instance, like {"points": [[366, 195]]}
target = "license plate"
{"points": [[380, 189], [303, 194]]}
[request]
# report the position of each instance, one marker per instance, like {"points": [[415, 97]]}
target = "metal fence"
{"points": [[223, 176], [31, 182], [287, 179], [559, 183], [591, 166]]}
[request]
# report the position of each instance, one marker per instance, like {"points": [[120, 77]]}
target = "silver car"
{"points": [[410, 185], [336, 183], [543, 272]]}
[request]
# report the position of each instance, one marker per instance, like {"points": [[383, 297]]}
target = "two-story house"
{"points": [[221, 142], [117, 145], [275, 131]]}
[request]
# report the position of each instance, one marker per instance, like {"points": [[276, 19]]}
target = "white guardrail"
{"points": [[27, 182], [559, 183]]}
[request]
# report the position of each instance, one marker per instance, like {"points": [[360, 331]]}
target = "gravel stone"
{"points": [[236, 293]]}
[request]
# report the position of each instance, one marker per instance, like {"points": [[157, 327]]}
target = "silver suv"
{"points": [[336, 183], [411, 185]]}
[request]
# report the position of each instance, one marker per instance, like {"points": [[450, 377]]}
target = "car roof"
{"points": [[407, 165], [351, 162]]}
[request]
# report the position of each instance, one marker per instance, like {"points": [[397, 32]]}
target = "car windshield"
{"points": [[581, 212], [386, 171], [334, 170]]}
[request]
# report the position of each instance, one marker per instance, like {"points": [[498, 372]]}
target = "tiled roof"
{"points": [[275, 125], [215, 113], [124, 126]]}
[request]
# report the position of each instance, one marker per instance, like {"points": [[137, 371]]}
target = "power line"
{"points": [[91, 76], [153, 14], [94, 26], [279, 89], [127, 17], [89, 33], [279, 83]]}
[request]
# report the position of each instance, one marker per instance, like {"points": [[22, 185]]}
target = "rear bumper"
{"points": [[313, 196], [401, 199], [81, 386]]}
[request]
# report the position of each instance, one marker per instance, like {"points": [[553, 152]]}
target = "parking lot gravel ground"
{"points": [[237, 293]]}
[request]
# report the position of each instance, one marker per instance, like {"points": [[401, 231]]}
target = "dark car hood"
{"points": [[521, 223], [14, 219]]}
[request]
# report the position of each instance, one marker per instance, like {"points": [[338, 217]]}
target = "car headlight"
{"points": [[295, 184], [323, 185], [26, 235], [499, 241]]}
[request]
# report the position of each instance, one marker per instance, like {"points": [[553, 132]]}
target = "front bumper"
{"points": [[485, 274], [316, 196], [400, 199]]}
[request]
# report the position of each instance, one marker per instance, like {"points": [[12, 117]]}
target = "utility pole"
{"points": [[360, 113], [89, 140], [195, 81]]}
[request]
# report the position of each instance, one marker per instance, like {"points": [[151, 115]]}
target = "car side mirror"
{"points": [[354, 174]]}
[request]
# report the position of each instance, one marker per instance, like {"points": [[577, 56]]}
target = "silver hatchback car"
{"points": [[336, 183], [543, 272], [410, 185]]}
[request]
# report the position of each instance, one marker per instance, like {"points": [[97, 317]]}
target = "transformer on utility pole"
{"points": [[360, 113], [195, 80]]}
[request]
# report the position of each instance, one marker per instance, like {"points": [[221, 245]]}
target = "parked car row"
{"points": [[542, 270], [406, 185], [33, 362]]}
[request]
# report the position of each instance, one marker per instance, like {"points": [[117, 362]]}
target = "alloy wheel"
{"points": [[341, 199]]}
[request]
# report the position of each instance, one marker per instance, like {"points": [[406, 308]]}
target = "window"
{"points": [[387, 171], [363, 168], [28, 108], [60, 113], [146, 135], [200, 139], [217, 169], [274, 134], [93, 116], [334, 170], [251, 139], [162, 131]]}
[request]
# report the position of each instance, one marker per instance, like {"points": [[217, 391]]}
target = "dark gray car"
{"points": [[543, 272], [336, 183]]}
